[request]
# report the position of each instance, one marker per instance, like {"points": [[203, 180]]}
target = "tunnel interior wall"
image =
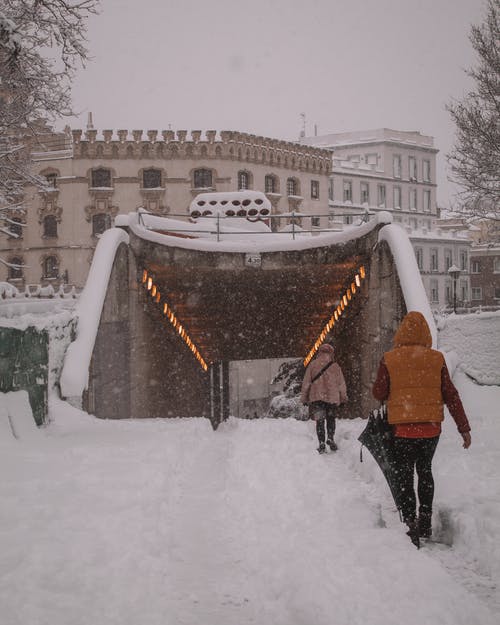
{"points": [[166, 379]]}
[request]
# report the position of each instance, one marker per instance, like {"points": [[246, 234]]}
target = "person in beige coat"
{"points": [[323, 389]]}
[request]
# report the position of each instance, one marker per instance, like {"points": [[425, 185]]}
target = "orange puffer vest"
{"points": [[415, 374]]}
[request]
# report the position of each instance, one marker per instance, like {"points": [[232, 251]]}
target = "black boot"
{"points": [[413, 532], [425, 525], [321, 448], [332, 444]]}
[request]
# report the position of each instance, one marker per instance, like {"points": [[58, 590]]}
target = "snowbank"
{"points": [[75, 372], [476, 341]]}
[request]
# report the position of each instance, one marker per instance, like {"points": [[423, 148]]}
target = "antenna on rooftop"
{"points": [[303, 129]]}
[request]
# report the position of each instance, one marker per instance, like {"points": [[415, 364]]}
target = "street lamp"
{"points": [[454, 272]]}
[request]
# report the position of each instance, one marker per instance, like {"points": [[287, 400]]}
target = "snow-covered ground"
{"points": [[167, 522]]}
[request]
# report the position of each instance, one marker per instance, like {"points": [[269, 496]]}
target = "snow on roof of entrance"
{"points": [[235, 237]]}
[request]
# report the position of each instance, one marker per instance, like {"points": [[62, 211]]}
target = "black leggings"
{"points": [[330, 428], [411, 454]]}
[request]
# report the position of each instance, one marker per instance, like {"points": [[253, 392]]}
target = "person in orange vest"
{"points": [[323, 389], [413, 380]]}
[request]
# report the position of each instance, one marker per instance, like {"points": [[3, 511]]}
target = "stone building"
{"points": [[94, 178], [395, 171]]}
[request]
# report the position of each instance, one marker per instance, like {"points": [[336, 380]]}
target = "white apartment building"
{"points": [[393, 170]]}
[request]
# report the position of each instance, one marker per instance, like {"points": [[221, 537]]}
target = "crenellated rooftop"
{"points": [[226, 144]]}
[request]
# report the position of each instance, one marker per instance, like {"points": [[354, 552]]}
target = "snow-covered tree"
{"points": [[42, 43], [475, 157], [287, 404]]}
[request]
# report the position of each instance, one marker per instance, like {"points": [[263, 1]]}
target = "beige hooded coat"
{"points": [[330, 386]]}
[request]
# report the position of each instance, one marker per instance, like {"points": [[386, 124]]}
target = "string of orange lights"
{"points": [[337, 313], [148, 283]]}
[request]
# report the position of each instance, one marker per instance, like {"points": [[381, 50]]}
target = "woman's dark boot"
{"points": [[425, 525], [413, 532]]}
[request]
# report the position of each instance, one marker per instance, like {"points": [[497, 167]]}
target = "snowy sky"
{"points": [[256, 66]]}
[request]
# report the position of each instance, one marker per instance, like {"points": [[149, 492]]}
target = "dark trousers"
{"points": [[324, 412], [411, 454]]}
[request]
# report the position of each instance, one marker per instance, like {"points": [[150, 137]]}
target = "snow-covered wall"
{"points": [[408, 273], [75, 372]]}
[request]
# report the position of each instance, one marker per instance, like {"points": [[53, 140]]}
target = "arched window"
{"points": [[51, 180], [15, 268], [50, 226], [202, 179], [15, 227], [243, 180], [292, 187], [100, 223], [51, 267], [271, 184], [151, 178], [101, 178]]}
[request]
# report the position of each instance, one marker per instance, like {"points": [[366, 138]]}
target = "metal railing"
{"points": [[292, 217]]}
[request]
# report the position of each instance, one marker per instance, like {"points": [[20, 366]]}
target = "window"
{"points": [[448, 259], [464, 295], [381, 195], [151, 179], [371, 159], [427, 201], [475, 266], [101, 178], [413, 199], [348, 219], [15, 268], [477, 293], [497, 292], [202, 179], [398, 219], [50, 226], [396, 194], [434, 259], [291, 186], [464, 264], [448, 292], [412, 168], [364, 193], [330, 189], [51, 267], [51, 180], [271, 184], [315, 189], [100, 223], [414, 223], [15, 227], [396, 166], [426, 171], [496, 264], [347, 191], [315, 222], [243, 180], [419, 255], [434, 292]]}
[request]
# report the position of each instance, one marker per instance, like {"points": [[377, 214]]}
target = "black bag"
{"points": [[378, 438]]}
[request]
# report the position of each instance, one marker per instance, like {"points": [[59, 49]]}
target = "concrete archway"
{"points": [[232, 309]]}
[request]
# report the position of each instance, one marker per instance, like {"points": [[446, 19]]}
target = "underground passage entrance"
{"points": [[187, 313]]}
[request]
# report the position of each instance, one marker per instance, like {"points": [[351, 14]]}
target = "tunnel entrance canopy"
{"points": [[185, 299]]}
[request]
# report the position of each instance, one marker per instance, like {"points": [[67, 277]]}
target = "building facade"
{"points": [[93, 179], [485, 276], [395, 171]]}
